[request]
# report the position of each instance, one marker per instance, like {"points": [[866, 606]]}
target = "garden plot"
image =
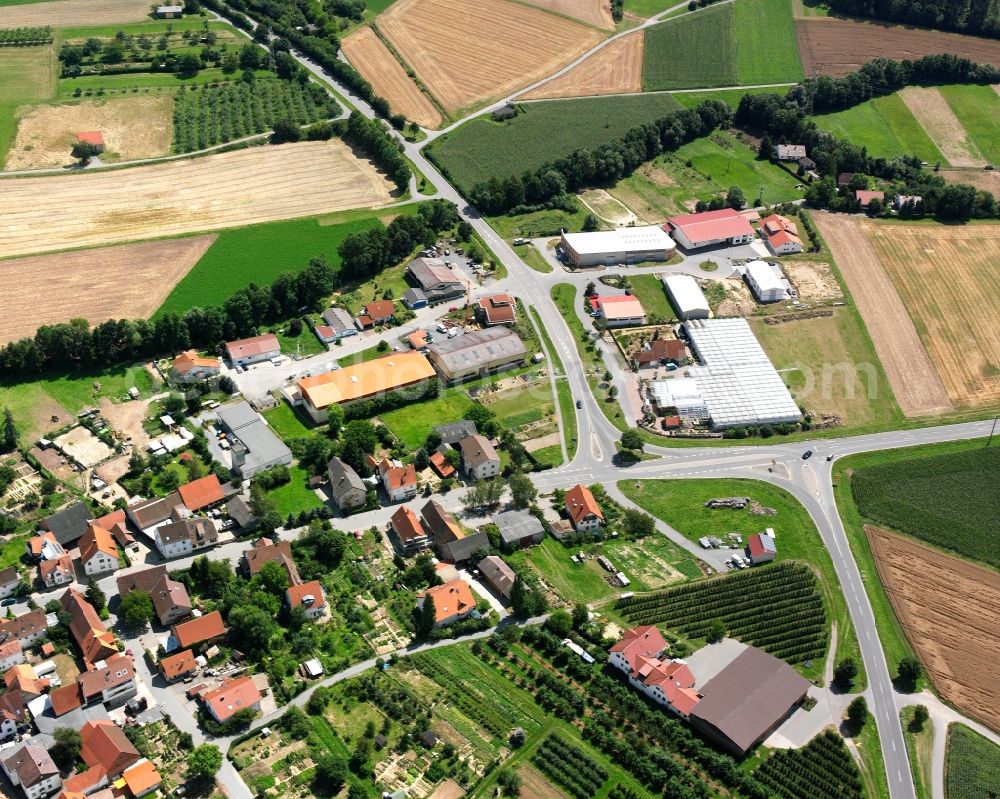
{"points": [[83, 447]]}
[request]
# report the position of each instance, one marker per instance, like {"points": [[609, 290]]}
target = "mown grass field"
{"points": [[288, 423], [649, 290], [413, 423], [27, 74], [693, 51], [294, 496], [978, 109], [972, 765], [482, 149], [885, 127], [766, 48]]}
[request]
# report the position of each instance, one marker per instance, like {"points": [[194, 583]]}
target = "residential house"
{"points": [[43, 546], [56, 571], [844, 179], [9, 581], [808, 165], [239, 511], [264, 550], [148, 514], [11, 654], [347, 489], [439, 463], [94, 641], [170, 597], [203, 630], [790, 152], [13, 713], [68, 524], [177, 667], [23, 680], [667, 682], [202, 493], [761, 547], [781, 234], [418, 339], [231, 697], [519, 528], [374, 314], [65, 699], [398, 480], [114, 523], [479, 459], [112, 683], [435, 280], [477, 353], [496, 309], [339, 324], [31, 769], [583, 511], [915, 201], [408, 531], [659, 352], [864, 197], [142, 779], [252, 350], [98, 551], [453, 602], [180, 538], [27, 629], [450, 540], [453, 432], [309, 596], [498, 575], [190, 367], [103, 745]]}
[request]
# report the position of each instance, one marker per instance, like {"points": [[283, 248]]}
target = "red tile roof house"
{"points": [[22, 679], [781, 234], [660, 350], [667, 682], [309, 596], [98, 551], [410, 535], [263, 551], [202, 493], [189, 367], [103, 745], [439, 463], [231, 697], [399, 481], [453, 602], [10, 654], [93, 137], [380, 312], [56, 572], [26, 629], [94, 641], [170, 597], [583, 511], [496, 309], [113, 683], [247, 351], [176, 667], [203, 630], [864, 197], [13, 712]]}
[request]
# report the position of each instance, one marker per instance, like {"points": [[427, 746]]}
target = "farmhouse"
{"points": [[248, 351], [660, 351], [864, 197], [479, 459], [68, 524], [436, 282], [347, 489], [92, 137], [761, 547], [95, 642], [725, 226], [496, 309], [766, 281], [627, 245], [453, 602], [583, 511], [477, 353], [408, 531], [687, 297], [790, 152], [338, 325], [205, 629], [253, 446], [111, 682], [190, 367], [450, 540], [170, 597], [518, 528], [98, 553], [498, 574], [31, 769], [781, 234], [362, 381], [379, 312], [667, 682], [622, 310]]}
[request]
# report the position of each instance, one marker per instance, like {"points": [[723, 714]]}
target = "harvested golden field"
{"points": [[950, 611], [129, 281], [948, 280], [981, 179], [261, 184], [133, 128], [74, 13], [935, 116], [615, 69], [469, 51], [593, 12], [369, 56], [909, 369]]}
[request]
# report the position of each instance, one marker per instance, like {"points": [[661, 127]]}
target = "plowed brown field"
{"points": [[369, 56], [74, 13], [837, 46], [915, 382], [470, 51], [615, 69], [948, 279], [130, 282], [593, 12], [261, 184], [950, 611]]}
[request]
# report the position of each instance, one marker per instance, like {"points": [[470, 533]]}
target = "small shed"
{"points": [[94, 137], [169, 12]]}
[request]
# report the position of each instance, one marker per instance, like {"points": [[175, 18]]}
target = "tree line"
{"points": [[980, 17], [372, 136]]}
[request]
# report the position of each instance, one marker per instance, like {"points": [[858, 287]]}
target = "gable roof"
{"points": [[154, 511], [619, 306], [9, 576], [252, 347], [95, 641], [297, 594], [453, 432], [343, 479], [440, 465], [393, 371], [142, 580], [142, 777], [32, 764], [477, 450], [231, 697], [865, 197], [94, 137], [444, 527], [499, 574], [103, 744], [22, 678], [498, 308], [65, 698], [118, 670], [407, 526], [187, 361], [264, 551], [761, 544], [580, 504], [68, 524], [661, 349], [640, 642], [63, 563], [380, 309], [516, 525], [452, 598], [202, 492], [23, 626], [398, 476], [724, 223], [204, 628], [96, 539], [173, 666]]}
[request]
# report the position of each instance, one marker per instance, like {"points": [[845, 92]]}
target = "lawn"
{"points": [[885, 126], [693, 51], [544, 131], [305, 343], [978, 109], [766, 48], [295, 495], [649, 291], [28, 75], [412, 424], [533, 258], [523, 407], [288, 423], [573, 582], [563, 394], [918, 747], [680, 503], [548, 222], [972, 767]]}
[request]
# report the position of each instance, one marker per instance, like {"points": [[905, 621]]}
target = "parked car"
{"points": [[807, 454], [8, 602]]}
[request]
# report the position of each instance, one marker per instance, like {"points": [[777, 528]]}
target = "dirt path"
{"points": [[936, 117], [914, 380]]}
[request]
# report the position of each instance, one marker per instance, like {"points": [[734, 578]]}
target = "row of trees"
{"points": [[374, 139], [22, 37], [981, 17], [74, 344]]}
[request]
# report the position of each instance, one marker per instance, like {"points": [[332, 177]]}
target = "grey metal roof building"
{"points": [[519, 528], [453, 432], [68, 524], [340, 320], [257, 447], [477, 353]]}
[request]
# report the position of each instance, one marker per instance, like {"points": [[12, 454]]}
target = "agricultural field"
{"points": [[885, 126], [949, 610], [29, 75], [482, 149], [46, 289], [218, 191], [615, 69], [915, 382], [977, 109], [592, 12], [777, 608], [67, 13], [376, 62], [766, 48], [467, 52], [947, 283], [935, 116], [823, 769], [964, 518], [972, 765], [693, 51], [133, 128], [834, 46]]}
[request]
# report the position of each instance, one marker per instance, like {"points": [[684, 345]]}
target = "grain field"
{"points": [[593, 12], [936, 117], [614, 69], [74, 13], [260, 184]]}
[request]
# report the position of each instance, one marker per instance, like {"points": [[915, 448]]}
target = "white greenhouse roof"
{"points": [[686, 293], [625, 239]]}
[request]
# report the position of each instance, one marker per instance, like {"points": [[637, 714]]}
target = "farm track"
{"points": [[615, 69]]}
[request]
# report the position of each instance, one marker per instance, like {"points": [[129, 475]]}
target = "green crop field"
{"points": [[972, 767], [978, 109], [949, 500], [823, 769], [692, 51], [885, 127], [544, 131], [766, 48], [730, 97]]}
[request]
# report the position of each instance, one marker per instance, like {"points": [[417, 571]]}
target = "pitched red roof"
{"points": [[645, 641], [65, 698], [250, 347], [297, 593], [440, 465], [452, 598], [407, 525], [231, 697], [96, 539], [201, 493], [90, 137], [724, 223], [580, 504], [865, 197], [118, 670], [205, 628], [173, 666], [103, 744]]}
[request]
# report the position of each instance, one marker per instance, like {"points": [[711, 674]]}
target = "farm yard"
{"points": [[832, 46], [915, 382], [46, 289], [376, 62], [936, 269], [504, 45], [615, 69], [69, 13], [972, 767], [950, 612], [210, 193]]}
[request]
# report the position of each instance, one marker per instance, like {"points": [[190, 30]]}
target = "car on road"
{"points": [[807, 454], [579, 404], [8, 602]]}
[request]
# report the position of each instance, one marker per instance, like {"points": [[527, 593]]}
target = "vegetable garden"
{"points": [[569, 767], [217, 114], [777, 608], [823, 769], [25, 37]]}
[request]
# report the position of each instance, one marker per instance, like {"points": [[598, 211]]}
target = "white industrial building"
{"points": [[766, 281], [627, 245], [687, 297], [735, 383]]}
